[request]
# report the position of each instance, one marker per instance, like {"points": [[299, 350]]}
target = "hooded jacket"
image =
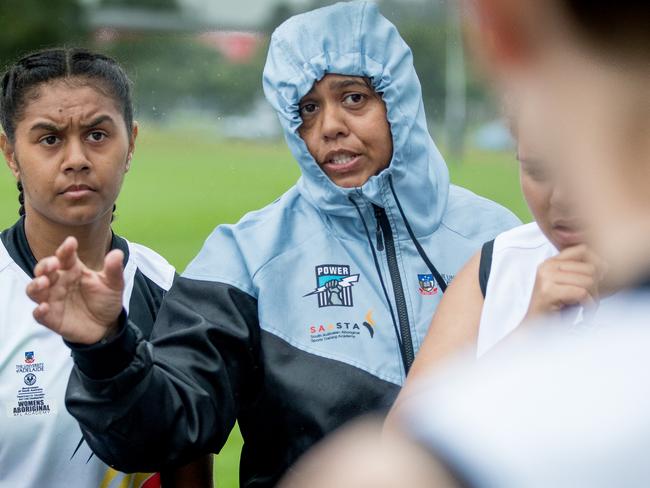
{"points": [[308, 312]]}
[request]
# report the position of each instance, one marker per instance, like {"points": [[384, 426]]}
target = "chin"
{"points": [[349, 182], [81, 217]]}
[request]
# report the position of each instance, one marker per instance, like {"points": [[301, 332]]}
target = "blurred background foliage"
{"points": [[26, 25], [201, 61]]}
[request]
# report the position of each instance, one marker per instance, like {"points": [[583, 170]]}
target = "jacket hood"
{"points": [[354, 39]]}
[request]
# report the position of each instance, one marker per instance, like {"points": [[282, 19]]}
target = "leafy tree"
{"points": [[173, 72], [27, 25], [279, 13]]}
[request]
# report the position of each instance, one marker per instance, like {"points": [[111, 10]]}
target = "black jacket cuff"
{"points": [[104, 360]]}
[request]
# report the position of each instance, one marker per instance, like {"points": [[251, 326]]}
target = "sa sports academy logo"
{"points": [[345, 330], [334, 285]]}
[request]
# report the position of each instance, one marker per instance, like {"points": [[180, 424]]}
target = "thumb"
{"points": [[113, 272]]}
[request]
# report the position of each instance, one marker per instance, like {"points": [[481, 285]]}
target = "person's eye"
{"points": [[49, 140], [308, 109], [537, 174], [354, 99], [96, 136]]}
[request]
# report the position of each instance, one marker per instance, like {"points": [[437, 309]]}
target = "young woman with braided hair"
{"points": [[68, 138]]}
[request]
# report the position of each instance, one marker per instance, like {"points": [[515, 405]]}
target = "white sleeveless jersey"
{"points": [[40, 442], [515, 257]]}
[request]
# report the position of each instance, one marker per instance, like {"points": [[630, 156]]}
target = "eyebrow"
{"points": [[98, 120], [50, 127], [340, 84], [45, 126]]}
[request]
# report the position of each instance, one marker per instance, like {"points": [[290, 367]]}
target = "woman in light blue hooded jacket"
{"points": [[308, 312]]}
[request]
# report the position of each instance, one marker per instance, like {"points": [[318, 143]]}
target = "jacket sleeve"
{"points": [[168, 401]]}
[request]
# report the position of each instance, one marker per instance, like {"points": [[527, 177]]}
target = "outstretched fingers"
{"points": [[41, 312], [39, 289], [67, 253], [113, 269], [48, 267]]}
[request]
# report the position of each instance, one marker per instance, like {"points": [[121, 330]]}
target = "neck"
{"points": [[45, 236]]}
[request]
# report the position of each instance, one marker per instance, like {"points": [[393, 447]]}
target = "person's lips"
{"points": [[340, 161], [77, 191], [568, 232]]}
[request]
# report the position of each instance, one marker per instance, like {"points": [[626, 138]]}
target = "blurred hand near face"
{"points": [[76, 302], [573, 277]]}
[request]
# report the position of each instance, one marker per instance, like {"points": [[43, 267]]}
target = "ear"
{"points": [[9, 153], [133, 136]]}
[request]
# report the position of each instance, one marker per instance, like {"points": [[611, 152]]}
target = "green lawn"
{"points": [[182, 185]]}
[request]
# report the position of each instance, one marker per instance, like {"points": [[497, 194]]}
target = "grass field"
{"points": [[182, 185]]}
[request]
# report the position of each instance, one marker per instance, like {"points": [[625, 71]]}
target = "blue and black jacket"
{"points": [[306, 313]]}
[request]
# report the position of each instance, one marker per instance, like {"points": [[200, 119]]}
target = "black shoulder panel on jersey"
{"points": [[485, 265], [15, 241]]}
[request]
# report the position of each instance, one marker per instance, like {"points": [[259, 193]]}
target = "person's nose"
{"points": [[75, 157], [562, 197], [334, 123]]}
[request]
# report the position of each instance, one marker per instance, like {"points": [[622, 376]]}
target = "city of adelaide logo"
{"points": [[343, 330], [427, 284], [334, 285]]}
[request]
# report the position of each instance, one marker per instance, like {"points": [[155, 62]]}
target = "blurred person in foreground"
{"points": [[534, 270], [306, 313], [556, 406], [68, 138], [540, 411]]}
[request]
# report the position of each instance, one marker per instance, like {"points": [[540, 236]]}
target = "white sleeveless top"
{"points": [[515, 257]]}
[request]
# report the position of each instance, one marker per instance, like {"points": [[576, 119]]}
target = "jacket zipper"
{"points": [[383, 228]]}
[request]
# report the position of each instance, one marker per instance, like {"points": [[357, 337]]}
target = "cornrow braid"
{"points": [[21, 199]]}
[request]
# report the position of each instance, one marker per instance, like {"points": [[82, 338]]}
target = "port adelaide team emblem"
{"points": [[334, 285]]}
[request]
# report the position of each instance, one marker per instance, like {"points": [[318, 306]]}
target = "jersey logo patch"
{"points": [[30, 398], [334, 285], [353, 329], [428, 284]]}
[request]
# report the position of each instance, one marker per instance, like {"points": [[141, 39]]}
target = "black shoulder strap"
{"points": [[485, 265]]}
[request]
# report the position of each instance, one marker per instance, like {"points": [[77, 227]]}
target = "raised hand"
{"points": [[80, 304], [571, 278]]}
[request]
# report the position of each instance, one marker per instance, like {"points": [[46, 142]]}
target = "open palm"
{"points": [[80, 304]]}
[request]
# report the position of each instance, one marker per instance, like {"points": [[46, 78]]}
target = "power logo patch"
{"points": [[334, 285]]}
